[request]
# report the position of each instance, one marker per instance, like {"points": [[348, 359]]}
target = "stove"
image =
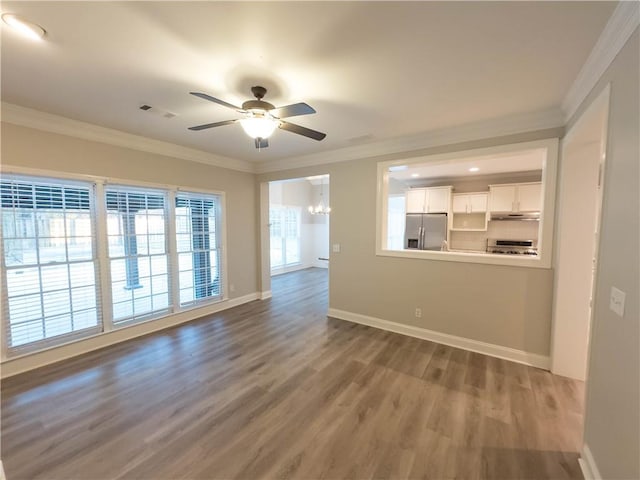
{"points": [[512, 247]]}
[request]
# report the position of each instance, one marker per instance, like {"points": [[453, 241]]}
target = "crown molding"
{"points": [[623, 22], [28, 117], [509, 125]]}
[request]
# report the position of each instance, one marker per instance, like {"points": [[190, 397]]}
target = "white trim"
{"points": [[28, 117], [506, 353], [569, 369], [289, 268], [622, 23], [588, 464], [265, 295], [509, 125], [24, 363]]}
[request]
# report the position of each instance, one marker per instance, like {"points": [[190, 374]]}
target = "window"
{"points": [[49, 260], [395, 222], [80, 257], [284, 236], [198, 247], [136, 228]]}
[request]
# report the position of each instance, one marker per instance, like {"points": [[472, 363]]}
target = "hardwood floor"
{"points": [[274, 389]]}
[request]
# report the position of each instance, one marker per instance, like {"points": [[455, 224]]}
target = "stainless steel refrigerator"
{"points": [[425, 231]]}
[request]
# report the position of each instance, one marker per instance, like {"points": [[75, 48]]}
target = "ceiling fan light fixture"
{"points": [[259, 125]]}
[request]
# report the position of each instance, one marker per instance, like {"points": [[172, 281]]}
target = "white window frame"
{"points": [[38, 345], [152, 315], [102, 253], [545, 242], [218, 237]]}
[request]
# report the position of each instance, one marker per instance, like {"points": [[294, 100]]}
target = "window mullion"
{"points": [[103, 273], [172, 252]]}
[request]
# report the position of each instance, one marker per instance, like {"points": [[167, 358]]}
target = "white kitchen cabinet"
{"points": [[529, 197], [470, 202], [438, 199], [515, 197], [416, 200], [503, 198], [429, 200]]}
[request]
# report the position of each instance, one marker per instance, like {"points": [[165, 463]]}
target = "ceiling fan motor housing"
{"points": [[257, 105]]}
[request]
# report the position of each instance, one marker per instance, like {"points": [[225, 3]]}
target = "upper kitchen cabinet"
{"points": [[470, 202], [429, 200], [515, 197]]}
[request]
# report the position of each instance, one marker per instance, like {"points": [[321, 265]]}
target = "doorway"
{"points": [[296, 226], [579, 206]]}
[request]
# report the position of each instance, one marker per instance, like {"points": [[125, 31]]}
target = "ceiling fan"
{"points": [[260, 118]]}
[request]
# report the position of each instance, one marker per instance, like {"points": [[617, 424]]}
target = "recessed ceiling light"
{"points": [[24, 27], [474, 169], [415, 175]]}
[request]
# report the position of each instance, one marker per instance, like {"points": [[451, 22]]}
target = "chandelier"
{"points": [[321, 208]]}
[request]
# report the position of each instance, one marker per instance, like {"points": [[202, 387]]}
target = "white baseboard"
{"points": [[30, 361], [265, 295], [294, 268], [588, 464], [506, 353]]}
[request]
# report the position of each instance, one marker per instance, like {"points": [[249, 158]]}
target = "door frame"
{"points": [[559, 341]]}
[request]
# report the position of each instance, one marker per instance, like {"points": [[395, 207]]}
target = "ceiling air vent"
{"points": [[158, 111]]}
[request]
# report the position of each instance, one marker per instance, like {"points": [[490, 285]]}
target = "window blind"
{"points": [[198, 245], [137, 239], [49, 259]]}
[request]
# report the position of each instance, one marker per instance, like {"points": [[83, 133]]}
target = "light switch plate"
{"points": [[616, 301], [336, 248]]}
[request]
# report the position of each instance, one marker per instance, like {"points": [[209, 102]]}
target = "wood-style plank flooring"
{"points": [[274, 389]]}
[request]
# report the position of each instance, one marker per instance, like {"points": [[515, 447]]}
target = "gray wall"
{"points": [[612, 421], [507, 306]]}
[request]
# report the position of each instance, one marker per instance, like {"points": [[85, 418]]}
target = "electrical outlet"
{"points": [[418, 312], [616, 301], [232, 288], [336, 248]]}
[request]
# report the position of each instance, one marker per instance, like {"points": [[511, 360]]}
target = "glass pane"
{"points": [[22, 309], [83, 298], [56, 303], [159, 284], [85, 319], [24, 281], [58, 325], [55, 278], [82, 274], [24, 333]]}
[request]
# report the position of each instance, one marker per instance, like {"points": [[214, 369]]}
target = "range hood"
{"points": [[516, 216]]}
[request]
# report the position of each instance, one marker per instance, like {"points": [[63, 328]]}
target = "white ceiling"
{"points": [[372, 70], [524, 161]]}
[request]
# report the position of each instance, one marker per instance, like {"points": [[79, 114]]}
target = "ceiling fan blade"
{"points": [[211, 125], [204, 96], [307, 132], [292, 110], [261, 143]]}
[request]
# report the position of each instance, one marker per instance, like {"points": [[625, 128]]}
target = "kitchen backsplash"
{"points": [[504, 229]]}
